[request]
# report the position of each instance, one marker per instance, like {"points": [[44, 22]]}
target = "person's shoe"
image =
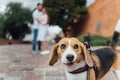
{"points": [[45, 52], [39, 52], [34, 52]]}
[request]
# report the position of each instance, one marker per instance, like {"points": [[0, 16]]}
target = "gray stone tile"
{"points": [[2, 75], [18, 61], [12, 78]]}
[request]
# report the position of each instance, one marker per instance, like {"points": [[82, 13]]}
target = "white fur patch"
{"points": [[81, 76], [117, 74]]}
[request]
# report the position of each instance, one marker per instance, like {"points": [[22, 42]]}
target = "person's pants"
{"points": [[39, 45], [35, 34]]}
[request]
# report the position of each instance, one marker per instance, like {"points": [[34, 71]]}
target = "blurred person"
{"points": [[37, 13], [43, 31]]}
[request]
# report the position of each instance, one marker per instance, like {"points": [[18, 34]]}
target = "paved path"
{"points": [[18, 63]]}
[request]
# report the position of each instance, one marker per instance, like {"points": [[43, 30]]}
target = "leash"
{"points": [[88, 74], [87, 45]]}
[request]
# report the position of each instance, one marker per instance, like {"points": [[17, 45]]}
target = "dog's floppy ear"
{"points": [[53, 55], [88, 58]]}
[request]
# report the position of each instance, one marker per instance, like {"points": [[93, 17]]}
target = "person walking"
{"points": [[43, 31], [36, 15]]}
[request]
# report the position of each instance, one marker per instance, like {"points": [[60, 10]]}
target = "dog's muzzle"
{"points": [[70, 57]]}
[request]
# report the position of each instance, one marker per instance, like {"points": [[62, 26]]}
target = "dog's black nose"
{"points": [[70, 57]]}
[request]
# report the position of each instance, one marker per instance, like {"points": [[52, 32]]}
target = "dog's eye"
{"points": [[63, 46], [75, 46]]}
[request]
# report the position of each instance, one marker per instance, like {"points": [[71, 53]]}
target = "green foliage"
{"points": [[16, 21], [63, 12], [97, 40], [1, 24]]}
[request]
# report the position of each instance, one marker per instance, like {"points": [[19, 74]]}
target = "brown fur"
{"points": [[116, 65]]}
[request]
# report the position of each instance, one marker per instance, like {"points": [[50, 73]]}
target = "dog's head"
{"points": [[70, 51]]}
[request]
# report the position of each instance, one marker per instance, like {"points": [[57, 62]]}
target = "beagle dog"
{"points": [[80, 64]]}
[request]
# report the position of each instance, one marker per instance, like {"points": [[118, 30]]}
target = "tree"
{"points": [[65, 12], [2, 18], [16, 21]]}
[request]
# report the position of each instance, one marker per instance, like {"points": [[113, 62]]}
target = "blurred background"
{"points": [[16, 18], [88, 20], [75, 18]]}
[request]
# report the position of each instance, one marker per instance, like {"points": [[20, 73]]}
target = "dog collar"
{"points": [[80, 70]]}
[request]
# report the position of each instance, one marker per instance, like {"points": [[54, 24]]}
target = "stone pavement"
{"points": [[18, 63]]}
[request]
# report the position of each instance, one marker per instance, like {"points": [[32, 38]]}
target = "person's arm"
{"points": [[45, 20], [39, 20], [36, 16]]}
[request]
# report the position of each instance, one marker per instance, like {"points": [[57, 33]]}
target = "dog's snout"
{"points": [[70, 57]]}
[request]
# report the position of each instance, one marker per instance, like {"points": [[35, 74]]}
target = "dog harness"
{"points": [[80, 70], [86, 67]]}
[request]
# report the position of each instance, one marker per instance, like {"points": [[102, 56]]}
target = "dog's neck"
{"points": [[75, 66], [81, 76]]}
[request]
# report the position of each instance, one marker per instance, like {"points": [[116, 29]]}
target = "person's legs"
{"points": [[45, 48], [39, 45], [35, 33], [45, 45]]}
